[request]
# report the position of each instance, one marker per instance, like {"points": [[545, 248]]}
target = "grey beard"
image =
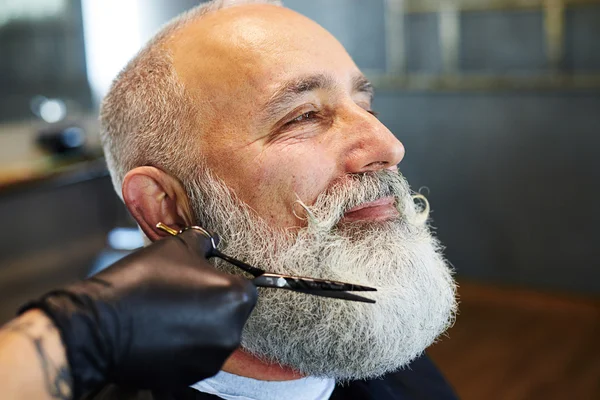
{"points": [[345, 340]]}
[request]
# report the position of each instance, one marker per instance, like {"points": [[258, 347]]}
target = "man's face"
{"points": [[285, 111], [285, 120]]}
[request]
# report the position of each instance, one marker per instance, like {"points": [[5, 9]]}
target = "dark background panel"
{"points": [[513, 180], [501, 41], [582, 39]]}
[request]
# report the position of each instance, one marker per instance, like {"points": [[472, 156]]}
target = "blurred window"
{"points": [[42, 56], [503, 41]]}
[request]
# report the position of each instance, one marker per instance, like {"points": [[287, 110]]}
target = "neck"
{"points": [[245, 364]]}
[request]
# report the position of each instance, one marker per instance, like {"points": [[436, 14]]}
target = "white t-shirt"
{"points": [[235, 387]]}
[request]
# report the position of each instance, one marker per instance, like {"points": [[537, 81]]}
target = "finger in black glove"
{"points": [[160, 318]]}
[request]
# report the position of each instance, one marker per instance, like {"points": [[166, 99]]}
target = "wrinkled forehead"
{"points": [[248, 50]]}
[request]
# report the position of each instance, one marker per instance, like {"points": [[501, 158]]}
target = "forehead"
{"points": [[248, 50]]}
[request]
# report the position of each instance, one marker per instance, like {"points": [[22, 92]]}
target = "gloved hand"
{"points": [[160, 318]]}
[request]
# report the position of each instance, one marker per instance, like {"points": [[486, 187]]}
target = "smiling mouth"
{"points": [[379, 210]]}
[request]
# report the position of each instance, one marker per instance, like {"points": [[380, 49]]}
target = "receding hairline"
{"points": [[183, 43], [194, 19]]}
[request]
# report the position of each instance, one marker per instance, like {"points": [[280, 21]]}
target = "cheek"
{"points": [[291, 172]]}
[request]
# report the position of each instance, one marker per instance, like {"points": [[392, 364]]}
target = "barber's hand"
{"points": [[162, 317]]}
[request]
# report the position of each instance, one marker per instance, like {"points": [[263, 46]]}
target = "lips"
{"points": [[379, 210]]}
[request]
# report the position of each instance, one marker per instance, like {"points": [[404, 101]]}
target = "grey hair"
{"points": [[147, 116]]}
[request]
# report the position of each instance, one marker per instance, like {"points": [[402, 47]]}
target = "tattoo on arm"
{"points": [[57, 378]]}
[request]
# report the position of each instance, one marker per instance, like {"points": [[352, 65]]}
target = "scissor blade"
{"points": [[304, 283], [338, 295], [279, 282]]}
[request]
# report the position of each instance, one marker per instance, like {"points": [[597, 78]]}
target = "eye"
{"points": [[303, 117], [373, 113]]}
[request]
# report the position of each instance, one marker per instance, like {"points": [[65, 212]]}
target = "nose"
{"points": [[373, 146]]}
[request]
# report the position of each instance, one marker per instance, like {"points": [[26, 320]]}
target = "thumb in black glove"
{"points": [[160, 318]]}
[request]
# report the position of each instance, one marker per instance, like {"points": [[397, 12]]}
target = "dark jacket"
{"points": [[421, 381]]}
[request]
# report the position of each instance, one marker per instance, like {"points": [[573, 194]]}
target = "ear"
{"points": [[153, 196]]}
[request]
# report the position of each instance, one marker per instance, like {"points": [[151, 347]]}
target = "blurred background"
{"points": [[496, 101]]}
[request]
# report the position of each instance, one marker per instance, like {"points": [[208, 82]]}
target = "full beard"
{"points": [[345, 340]]}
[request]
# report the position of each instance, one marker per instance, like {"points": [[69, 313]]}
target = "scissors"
{"points": [[316, 287]]}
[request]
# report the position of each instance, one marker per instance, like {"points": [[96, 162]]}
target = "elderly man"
{"points": [[252, 121]]}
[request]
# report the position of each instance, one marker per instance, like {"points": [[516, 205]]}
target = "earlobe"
{"points": [[153, 196]]}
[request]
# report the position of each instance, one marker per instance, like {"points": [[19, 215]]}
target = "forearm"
{"points": [[33, 363]]}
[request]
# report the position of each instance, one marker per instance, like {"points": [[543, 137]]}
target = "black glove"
{"points": [[160, 318]]}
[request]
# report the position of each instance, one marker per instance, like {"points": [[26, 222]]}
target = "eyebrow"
{"points": [[291, 90], [360, 84]]}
